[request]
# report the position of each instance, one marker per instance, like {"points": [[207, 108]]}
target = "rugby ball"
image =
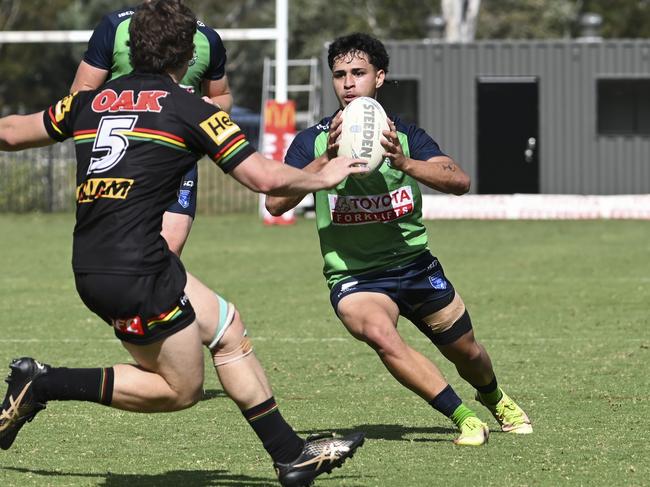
{"points": [[363, 121]]}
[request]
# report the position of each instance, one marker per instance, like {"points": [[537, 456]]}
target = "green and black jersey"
{"points": [[108, 50], [372, 223]]}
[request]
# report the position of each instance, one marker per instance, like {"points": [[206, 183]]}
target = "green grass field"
{"points": [[562, 307]]}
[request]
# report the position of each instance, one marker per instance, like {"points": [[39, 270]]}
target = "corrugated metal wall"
{"points": [[574, 159]]}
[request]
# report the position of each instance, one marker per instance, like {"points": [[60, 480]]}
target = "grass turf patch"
{"points": [[562, 308]]}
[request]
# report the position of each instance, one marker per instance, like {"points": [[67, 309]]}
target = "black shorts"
{"points": [[185, 203], [419, 288], [141, 309]]}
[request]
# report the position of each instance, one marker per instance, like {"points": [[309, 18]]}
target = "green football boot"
{"points": [[473, 432], [511, 417]]}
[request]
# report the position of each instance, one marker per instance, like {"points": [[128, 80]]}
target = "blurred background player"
{"points": [[381, 269], [134, 139], [107, 57]]}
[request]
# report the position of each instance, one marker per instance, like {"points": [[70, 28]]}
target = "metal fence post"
{"points": [[50, 180]]}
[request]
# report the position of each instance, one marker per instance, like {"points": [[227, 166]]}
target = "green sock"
{"points": [[460, 414], [492, 397]]}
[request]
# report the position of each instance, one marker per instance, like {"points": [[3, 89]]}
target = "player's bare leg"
{"points": [[475, 366], [372, 318], [297, 462], [237, 367], [470, 359], [169, 375]]}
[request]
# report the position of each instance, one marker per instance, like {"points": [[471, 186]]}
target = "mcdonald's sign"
{"points": [[279, 132], [280, 116], [279, 128]]}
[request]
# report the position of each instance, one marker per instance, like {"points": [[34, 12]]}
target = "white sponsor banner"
{"points": [[536, 207], [370, 208]]}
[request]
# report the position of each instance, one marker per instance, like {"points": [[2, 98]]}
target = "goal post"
{"points": [[279, 34]]}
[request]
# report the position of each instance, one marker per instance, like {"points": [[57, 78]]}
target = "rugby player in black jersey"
{"points": [[107, 57], [135, 137]]}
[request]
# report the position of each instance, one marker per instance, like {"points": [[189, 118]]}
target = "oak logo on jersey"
{"points": [[219, 127], [357, 210], [146, 101], [63, 106], [95, 188]]}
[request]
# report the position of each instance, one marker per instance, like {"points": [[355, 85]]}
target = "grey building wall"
{"points": [[573, 157]]}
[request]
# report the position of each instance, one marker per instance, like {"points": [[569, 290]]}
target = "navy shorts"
{"points": [[419, 288], [185, 203], [141, 309]]}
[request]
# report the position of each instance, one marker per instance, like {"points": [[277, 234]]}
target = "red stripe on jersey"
{"points": [[158, 132], [53, 119], [225, 149], [84, 132]]}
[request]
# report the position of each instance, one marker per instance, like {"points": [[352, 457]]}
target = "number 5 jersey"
{"points": [[134, 138]]}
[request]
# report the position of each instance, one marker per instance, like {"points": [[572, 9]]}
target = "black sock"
{"points": [[279, 439], [63, 384], [446, 401], [491, 393]]}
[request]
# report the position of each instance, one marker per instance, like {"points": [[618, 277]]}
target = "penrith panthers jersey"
{"points": [[135, 137]]}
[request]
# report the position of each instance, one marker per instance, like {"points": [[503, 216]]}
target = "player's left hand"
{"points": [[393, 147]]}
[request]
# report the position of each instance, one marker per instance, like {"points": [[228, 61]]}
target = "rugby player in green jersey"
{"points": [[376, 252], [134, 137], [107, 57]]}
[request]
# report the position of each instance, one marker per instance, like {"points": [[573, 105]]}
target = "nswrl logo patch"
{"points": [[184, 198], [437, 282]]}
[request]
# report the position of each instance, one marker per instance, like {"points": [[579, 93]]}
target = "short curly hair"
{"points": [[359, 43], [161, 36]]}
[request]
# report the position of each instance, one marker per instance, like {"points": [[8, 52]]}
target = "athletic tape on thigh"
{"points": [[443, 319], [243, 349], [226, 315], [458, 329]]}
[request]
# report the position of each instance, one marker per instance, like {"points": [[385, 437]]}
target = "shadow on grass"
{"points": [[213, 394], [397, 432], [166, 479]]}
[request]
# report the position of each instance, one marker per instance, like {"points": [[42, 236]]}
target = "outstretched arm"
{"points": [[277, 205], [18, 132], [264, 175]]}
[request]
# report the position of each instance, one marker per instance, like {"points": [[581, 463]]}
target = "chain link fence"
{"points": [[38, 179], [44, 180]]}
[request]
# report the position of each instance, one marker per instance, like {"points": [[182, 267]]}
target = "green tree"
{"points": [[34, 75], [312, 24], [622, 19], [527, 19]]}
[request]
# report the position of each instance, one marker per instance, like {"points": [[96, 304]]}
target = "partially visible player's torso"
{"points": [[365, 224], [206, 43], [135, 137]]}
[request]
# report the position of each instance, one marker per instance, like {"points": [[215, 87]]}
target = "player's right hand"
{"points": [[340, 168]]}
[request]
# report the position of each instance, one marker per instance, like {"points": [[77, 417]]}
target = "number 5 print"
{"points": [[110, 137]]}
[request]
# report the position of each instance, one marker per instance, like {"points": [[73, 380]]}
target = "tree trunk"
{"points": [[460, 16]]}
